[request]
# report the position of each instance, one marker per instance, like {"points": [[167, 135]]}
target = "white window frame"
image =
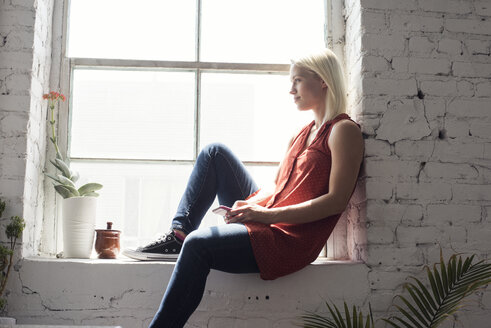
{"points": [[61, 79]]}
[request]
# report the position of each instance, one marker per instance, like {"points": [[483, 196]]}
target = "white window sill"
{"points": [[126, 261]]}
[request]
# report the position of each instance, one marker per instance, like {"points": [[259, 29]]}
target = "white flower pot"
{"points": [[79, 215]]}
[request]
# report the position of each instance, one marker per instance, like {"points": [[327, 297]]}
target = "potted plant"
{"points": [[79, 204], [427, 307], [13, 231]]}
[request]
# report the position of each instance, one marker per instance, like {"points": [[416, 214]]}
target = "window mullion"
{"points": [[197, 121]]}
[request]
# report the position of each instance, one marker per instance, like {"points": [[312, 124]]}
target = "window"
{"points": [[151, 82]]}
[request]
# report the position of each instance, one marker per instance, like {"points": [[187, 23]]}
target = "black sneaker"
{"points": [[165, 248]]}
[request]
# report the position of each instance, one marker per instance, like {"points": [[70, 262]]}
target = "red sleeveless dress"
{"points": [[281, 249]]}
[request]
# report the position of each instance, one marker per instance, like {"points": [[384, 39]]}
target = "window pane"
{"points": [[253, 114], [128, 29], [132, 114], [141, 199], [263, 176], [259, 31]]}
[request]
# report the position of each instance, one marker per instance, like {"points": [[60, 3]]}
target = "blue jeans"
{"points": [[227, 248]]}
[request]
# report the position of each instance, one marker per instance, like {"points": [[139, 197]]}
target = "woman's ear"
{"points": [[323, 84]]}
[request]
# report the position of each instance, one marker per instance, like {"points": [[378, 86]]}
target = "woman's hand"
{"points": [[244, 211]]}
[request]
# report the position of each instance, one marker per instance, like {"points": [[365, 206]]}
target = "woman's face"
{"points": [[308, 89]]}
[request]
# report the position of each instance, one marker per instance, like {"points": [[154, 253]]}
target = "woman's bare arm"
{"points": [[346, 144]]}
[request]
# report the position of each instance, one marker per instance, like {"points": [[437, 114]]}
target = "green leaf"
{"points": [[417, 315], [347, 314], [64, 191], [52, 177], [65, 181], [91, 194], [88, 188], [339, 323], [65, 170], [433, 285], [443, 273], [74, 176], [425, 291], [420, 301]]}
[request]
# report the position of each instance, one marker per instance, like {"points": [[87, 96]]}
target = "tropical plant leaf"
{"points": [[337, 320], [64, 191], [449, 286], [91, 194], [53, 177], [74, 176], [65, 181], [88, 188], [65, 170]]}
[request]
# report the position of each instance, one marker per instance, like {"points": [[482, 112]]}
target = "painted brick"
{"points": [[16, 60], [435, 191], [450, 46], [375, 64], [375, 105], [415, 23], [383, 44], [380, 235], [11, 187], [391, 168], [429, 66], [369, 124], [439, 88], [392, 214], [400, 64], [434, 107], [478, 47], [483, 7], [465, 88], [446, 6], [459, 215], [373, 22], [481, 129], [375, 147], [394, 4], [13, 124], [458, 152], [473, 26], [469, 107], [386, 279], [471, 69], [14, 103], [421, 150], [384, 256], [417, 235], [478, 236], [378, 86], [421, 45], [456, 128], [483, 89], [404, 120], [379, 189], [17, 18], [450, 171], [471, 192]]}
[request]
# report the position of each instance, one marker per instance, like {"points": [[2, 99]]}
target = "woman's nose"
{"points": [[293, 90]]}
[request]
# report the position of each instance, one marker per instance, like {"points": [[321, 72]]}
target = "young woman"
{"points": [[272, 234]]}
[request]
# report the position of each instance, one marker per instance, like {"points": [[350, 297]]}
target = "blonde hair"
{"points": [[326, 65]]}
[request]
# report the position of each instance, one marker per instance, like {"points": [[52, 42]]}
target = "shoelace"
{"points": [[160, 240]]}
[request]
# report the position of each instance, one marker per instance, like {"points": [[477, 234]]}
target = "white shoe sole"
{"points": [[148, 256]]}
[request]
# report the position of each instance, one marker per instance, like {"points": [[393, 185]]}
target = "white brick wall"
{"points": [[426, 117], [419, 75]]}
